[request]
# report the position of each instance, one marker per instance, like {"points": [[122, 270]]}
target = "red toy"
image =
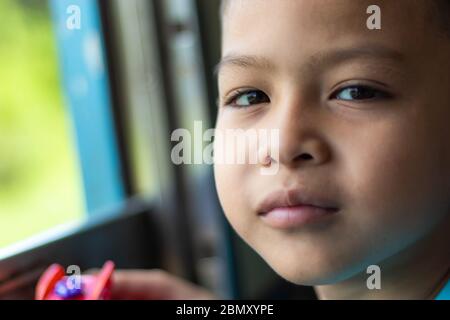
{"points": [[55, 285]]}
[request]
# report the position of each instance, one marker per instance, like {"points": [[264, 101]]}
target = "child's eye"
{"points": [[247, 98], [359, 93]]}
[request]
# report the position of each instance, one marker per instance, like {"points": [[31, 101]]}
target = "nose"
{"points": [[302, 140]]}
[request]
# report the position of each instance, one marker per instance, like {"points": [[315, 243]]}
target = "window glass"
{"points": [[40, 184]]}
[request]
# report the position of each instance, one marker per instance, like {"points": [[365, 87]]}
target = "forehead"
{"points": [[293, 26]]}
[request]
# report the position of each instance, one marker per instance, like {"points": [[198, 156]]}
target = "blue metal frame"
{"points": [[85, 80], [444, 294]]}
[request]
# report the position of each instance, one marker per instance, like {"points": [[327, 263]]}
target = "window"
{"points": [[40, 184], [112, 224], [59, 161]]}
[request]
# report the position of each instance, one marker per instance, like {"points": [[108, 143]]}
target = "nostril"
{"points": [[306, 156]]}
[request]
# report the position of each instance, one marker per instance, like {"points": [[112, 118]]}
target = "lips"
{"points": [[294, 208]]}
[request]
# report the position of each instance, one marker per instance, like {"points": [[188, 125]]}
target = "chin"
{"points": [[313, 271], [306, 276]]}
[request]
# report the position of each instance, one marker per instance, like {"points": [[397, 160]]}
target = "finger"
{"points": [[91, 271], [139, 284]]}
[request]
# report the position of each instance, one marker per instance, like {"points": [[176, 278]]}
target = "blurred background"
{"points": [[90, 92]]}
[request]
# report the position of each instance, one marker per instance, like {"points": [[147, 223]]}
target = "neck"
{"points": [[415, 273]]}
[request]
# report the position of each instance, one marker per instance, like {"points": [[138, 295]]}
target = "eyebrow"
{"points": [[331, 57], [243, 61]]}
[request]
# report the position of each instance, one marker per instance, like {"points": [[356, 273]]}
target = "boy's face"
{"points": [[363, 117]]}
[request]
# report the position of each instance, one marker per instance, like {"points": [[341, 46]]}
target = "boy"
{"points": [[364, 151]]}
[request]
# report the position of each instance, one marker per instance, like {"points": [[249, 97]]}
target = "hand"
{"points": [[155, 285]]}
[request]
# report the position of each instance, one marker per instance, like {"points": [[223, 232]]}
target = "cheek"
{"points": [[397, 178], [232, 191]]}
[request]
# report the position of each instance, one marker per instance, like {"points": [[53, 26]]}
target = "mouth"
{"points": [[288, 209]]}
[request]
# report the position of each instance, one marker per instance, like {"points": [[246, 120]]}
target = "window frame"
{"points": [[85, 77]]}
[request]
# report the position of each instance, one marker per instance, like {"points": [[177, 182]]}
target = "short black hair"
{"points": [[440, 10]]}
